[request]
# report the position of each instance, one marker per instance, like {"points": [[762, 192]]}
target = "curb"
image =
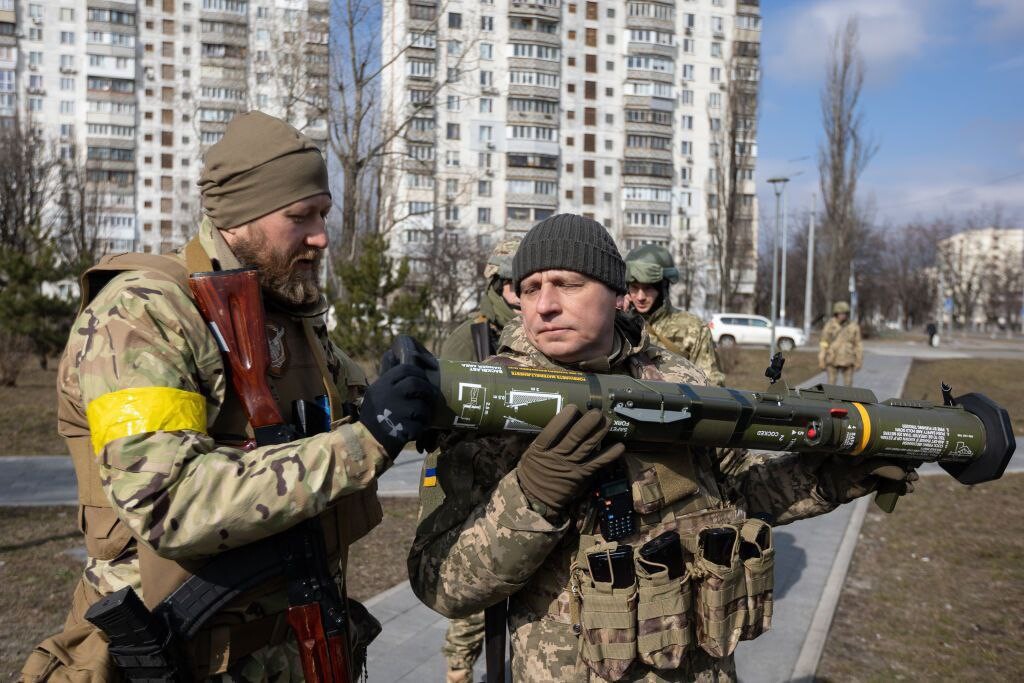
{"points": [[817, 634]]}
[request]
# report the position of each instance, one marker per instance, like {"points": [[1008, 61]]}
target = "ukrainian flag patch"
{"points": [[430, 476]]}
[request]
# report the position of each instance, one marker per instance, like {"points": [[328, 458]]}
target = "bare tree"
{"points": [[688, 264], [730, 207], [363, 129], [451, 270], [842, 157], [79, 203]]}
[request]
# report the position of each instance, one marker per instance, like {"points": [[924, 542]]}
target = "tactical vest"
{"points": [[310, 367]]}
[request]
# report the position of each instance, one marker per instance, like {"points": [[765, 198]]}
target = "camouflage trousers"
{"points": [[463, 642], [835, 370]]}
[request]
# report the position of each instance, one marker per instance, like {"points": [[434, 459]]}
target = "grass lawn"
{"points": [[999, 379], [745, 367], [28, 419], [935, 590], [38, 573]]}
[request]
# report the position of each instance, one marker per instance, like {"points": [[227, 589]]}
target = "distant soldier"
{"points": [[477, 339], [498, 305], [650, 271], [841, 347]]}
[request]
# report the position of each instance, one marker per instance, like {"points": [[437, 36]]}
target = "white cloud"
{"points": [[1006, 20], [1011, 64], [890, 32]]}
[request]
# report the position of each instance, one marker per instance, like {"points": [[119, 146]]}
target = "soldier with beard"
{"points": [[168, 475], [650, 271]]}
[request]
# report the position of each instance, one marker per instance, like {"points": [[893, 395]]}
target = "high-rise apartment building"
{"points": [[638, 113], [135, 90]]}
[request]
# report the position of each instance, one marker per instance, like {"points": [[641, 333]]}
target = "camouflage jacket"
{"points": [[686, 335], [179, 492], [495, 311], [479, 540], [840, 344]]}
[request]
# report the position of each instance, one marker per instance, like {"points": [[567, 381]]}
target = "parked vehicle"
{"points": [[728, 329]]}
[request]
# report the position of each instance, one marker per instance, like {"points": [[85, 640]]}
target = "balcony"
{"points": [[551, 9]]}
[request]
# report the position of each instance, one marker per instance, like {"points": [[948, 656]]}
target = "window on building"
{"points": [[486, 79], [483, 188], [486, 23], [588, 168], [591, 37], [716, 49], [486, 105], [454, 20], [590, 116], [455, 47], [67, 37], [486, 51], [486, 133], [483, 215], [589, 142], [716, 74], [454, 103], [590, 90], [591, 64]]}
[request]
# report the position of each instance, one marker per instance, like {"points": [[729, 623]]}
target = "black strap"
{"points": [[495, 628]]}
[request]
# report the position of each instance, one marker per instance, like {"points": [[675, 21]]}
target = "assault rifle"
{"points": [[147, 646]]}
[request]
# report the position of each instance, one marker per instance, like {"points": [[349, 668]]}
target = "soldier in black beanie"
{"points": [[571, 242]]}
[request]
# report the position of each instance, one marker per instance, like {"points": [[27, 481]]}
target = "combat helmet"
{"points": [[499, 263], [650, 264], [840, 307]]}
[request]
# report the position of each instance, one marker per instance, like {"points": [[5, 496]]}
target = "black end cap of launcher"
{"points": [[999, 442]]}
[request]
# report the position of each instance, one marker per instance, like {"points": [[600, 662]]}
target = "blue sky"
{"points": [[943, 98]]}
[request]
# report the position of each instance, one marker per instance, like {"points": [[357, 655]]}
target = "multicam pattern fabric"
{"points": [[180, 492], [841, 344], [480, 539], [690, 335], [499, 263]]}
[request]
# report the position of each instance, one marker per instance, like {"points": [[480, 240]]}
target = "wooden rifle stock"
{"points": [[231, 303], [232, 306]]}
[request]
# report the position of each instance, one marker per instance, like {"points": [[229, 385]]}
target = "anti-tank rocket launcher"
{"points": [[970, 436]]}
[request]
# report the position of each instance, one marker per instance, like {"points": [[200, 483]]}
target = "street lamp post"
{"points": [[810, 269], [779, 185]]}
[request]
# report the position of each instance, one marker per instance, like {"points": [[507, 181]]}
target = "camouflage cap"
{"points": [[651, 264], [840, 307], [499, 263]]}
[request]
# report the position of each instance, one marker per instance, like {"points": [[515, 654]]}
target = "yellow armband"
{"points": [[145, 409]]}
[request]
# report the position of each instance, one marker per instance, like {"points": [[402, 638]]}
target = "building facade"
{"points": [[133, 92], [980, 276], [505, 112]]}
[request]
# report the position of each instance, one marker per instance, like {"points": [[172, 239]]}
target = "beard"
{"points": [[279, 274]]}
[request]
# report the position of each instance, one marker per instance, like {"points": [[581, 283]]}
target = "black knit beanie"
{"points": [[570, 242]]}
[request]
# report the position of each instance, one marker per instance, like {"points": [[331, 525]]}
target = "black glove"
{"points": [[556, 467], [405, 349], [841, 480], [398, 407]]}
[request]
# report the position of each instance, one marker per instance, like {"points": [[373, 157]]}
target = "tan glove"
{"points": [[556, 467], [841, 479]]}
